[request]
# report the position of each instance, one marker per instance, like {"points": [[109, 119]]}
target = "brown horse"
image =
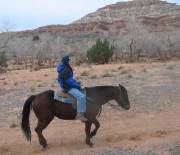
{"points": [[46, 108]]}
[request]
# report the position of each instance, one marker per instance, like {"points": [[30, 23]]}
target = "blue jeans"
{"points": [[81, 99]]}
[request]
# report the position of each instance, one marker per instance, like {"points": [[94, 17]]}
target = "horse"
{"points": [[46, 108]]}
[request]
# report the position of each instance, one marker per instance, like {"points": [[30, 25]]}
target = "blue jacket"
{"points": [[65, 78]]}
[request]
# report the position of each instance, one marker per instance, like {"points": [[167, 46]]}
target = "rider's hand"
{"points": [[79, 82]]}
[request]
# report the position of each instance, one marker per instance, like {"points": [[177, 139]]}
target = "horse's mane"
{"points": [[100, 87]]}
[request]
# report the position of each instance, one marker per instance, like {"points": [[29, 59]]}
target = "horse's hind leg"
{"points": [[39, 129], [97, 125], [87, 130]]}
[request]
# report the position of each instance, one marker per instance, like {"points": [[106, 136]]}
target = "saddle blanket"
{"points": [[63, 97]]}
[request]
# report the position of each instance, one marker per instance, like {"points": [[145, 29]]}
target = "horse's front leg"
{"points": [[97, 125], [87, 130]]}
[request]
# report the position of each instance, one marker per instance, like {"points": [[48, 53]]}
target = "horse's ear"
{"points": [[119, 85]]}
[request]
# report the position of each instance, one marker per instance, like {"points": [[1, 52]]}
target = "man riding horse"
{"points": [[71, 86]]}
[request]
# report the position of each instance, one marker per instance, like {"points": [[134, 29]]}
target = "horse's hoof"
{"points": [[92, 134], [45, 147], [90, 144]]}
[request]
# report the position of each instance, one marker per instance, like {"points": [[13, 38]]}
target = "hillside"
{"points": [[153, 25]]}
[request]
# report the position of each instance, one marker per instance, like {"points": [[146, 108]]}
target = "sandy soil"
{"points": [[151, 127]]}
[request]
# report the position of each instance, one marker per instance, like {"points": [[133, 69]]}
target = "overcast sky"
{"points": [[30, 14]]}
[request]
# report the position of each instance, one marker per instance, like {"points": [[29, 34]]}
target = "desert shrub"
{"points": [[3, 58], [15, 83], [32, 88], [124, 72], [36, 38], [101, 52], [171, 67], [40, 56], [107, 75], [113, 70], [80, 59], [85, 73], [144, 70], [120, 67], [13, 125], [93, 76], [130, 76], [5, 83]]}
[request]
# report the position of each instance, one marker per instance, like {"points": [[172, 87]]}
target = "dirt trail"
{"points": [[67, 137]]}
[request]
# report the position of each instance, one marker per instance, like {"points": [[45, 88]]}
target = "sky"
{"points": [[29, 14]]}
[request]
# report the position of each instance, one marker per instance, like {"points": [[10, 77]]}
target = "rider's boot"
{"points": [[80, 116]]}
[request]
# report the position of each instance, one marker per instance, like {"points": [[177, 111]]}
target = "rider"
{"points": [[71, 86]]}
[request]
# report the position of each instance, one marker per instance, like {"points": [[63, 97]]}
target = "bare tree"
{"points": [[5, 30]]}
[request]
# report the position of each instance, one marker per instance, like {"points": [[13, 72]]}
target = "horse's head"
{"points": [[122, 97]]}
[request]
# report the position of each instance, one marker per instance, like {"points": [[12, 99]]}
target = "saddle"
{"points": [[64, 97]]}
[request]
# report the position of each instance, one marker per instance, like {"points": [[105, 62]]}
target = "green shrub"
{"points": [[3, 58], [101, 52]]}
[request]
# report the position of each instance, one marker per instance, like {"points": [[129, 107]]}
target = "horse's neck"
{"points": [[103, 96]]}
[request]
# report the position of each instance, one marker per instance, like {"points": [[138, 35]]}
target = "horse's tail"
{"points": [[25, 118]]}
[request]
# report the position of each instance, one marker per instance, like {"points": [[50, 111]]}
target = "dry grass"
{"points": [[130, 76], [15, 83], [36, 68], [144, 70], [5, 83], [3, 78], [32, 88], [78, 78], [45, 75], [171, 67], [135, 138], [39, 85], [124, 72], [113, 70], [13, 125], [120, 67], [4, 150], [93, 76], [84, 73], [107, 74]]}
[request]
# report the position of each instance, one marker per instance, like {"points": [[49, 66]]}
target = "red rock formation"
{"points": [[156, 15]]}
